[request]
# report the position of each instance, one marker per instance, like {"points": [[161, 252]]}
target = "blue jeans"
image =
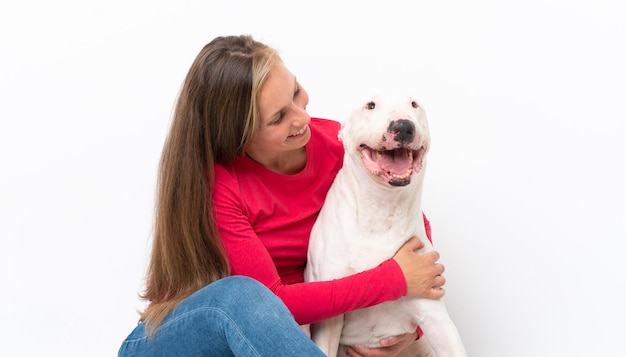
{"points": [[234, 316]]}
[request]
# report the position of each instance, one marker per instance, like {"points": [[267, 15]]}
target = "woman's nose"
{"points": [[301, 114]]}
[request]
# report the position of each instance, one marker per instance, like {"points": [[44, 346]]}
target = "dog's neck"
{"points": [[379, 201]]}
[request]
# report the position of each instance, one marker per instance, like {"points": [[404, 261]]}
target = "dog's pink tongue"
{"points": [[395, 161]]}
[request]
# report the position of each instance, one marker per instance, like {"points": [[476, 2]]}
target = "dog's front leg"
{"points": [[326, 335], [439, 328]]}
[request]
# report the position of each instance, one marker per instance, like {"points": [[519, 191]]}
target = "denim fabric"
{"points": [[235, 316]]}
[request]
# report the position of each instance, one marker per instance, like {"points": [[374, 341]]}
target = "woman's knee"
{"points": [[234, 286], [232, 292], [238, 283]]}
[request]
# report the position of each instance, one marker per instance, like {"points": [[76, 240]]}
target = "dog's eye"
{"points": [[414, 104], [370, 105]]}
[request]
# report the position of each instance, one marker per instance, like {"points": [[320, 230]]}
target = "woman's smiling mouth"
{"points": [[300, 132]]}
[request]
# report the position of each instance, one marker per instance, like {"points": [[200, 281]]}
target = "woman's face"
{"points": [[283, 116]]}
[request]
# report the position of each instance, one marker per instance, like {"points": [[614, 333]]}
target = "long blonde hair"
{"points": [[215, 117]]}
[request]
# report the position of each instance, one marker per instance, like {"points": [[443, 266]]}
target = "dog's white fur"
{"points": [[369, 213]]}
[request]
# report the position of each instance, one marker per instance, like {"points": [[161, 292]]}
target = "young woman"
{"points": [[243, 175]]}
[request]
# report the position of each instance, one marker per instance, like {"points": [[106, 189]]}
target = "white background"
{"points": [[525, 187]]}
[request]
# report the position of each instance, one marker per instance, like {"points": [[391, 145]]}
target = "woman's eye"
{"points": [[281, 116]]}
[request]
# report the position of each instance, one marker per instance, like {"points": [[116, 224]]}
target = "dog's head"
{"points": [[390, 136]]}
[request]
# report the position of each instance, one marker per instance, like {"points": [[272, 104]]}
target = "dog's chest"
{"points": [[360, 231]]}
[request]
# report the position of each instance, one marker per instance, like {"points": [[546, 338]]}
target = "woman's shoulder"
{"points": [[325, 144], [326, 129], [326, 124], [224, 173]]}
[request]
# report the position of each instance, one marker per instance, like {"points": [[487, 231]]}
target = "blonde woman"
{"points": [[243, 175]]}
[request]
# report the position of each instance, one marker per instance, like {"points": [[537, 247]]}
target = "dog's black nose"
{"points": [[403, 129]]}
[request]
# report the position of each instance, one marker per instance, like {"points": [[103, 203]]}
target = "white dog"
{"points": [[371, 210]]}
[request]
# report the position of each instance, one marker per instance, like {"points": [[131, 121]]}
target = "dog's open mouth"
{"points": [[395, 166]]}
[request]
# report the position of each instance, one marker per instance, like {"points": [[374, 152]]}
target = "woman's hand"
{"points": [[421, 272], [391, 346]]}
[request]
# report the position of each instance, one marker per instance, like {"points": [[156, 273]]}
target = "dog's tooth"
{"points": [[379, 154]]}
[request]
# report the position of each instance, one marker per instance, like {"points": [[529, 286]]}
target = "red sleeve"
{"points": [[427, 226], [312, 302], [308, 302]]}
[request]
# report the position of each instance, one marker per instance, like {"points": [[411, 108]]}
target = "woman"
{"points": [[243, 174]]}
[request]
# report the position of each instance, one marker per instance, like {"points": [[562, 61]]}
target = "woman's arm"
{"points": [[311, 301]]}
